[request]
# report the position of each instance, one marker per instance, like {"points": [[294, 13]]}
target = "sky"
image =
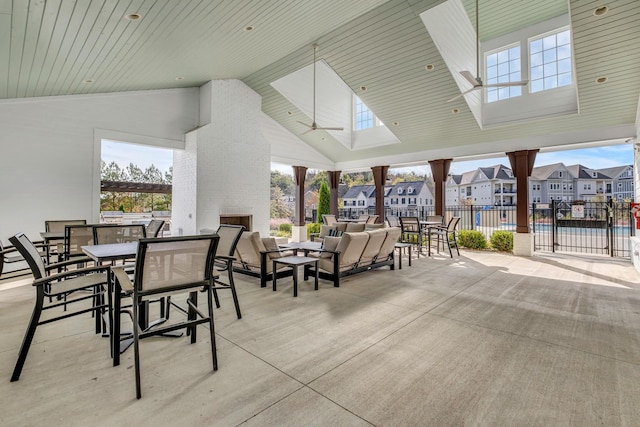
{"points": [[142, 156], [596, 158]]}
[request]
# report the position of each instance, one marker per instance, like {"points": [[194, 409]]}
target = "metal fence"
{"points": [[584, 227]]}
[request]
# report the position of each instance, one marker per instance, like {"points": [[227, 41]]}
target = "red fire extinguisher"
{"points": [[635, 210]]}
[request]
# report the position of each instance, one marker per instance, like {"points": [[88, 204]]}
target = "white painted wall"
{"points": [[49, 158], [226, 166]]}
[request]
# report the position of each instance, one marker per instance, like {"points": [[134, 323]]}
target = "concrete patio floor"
{"points": [[482, 339]]}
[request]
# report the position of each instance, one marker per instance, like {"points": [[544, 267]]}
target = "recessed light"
{"points": [[179, 78], [87, 81], [132, 17], [429, 67], [248, 28], [602, 79], [455, 110], [290, 113], [599, 11], [324, 139], [363, 88], [395, 123]]}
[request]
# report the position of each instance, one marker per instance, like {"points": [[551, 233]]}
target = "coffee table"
{"points": [[294, 262]]}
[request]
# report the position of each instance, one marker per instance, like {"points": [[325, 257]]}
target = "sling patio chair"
{"points": [[447, 234], [412, 232], [166, 266], [154, 228], [225, 256], [52, 288]]}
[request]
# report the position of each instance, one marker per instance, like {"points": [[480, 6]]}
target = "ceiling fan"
{"points": [[314, 125], [476, 82]]}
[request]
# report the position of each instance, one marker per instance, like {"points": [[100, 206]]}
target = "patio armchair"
{"points": [[329, 219], [255, 256], [167, 266], [448, 235], [372, 219], [9, 255], [392, 221], [56, 287], [363, 218]]}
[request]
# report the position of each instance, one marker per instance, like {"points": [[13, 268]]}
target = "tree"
{"points": [[278, 207], [324, 203], [284, 182]]}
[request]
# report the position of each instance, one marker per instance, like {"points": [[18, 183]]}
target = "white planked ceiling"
{"points": [[50, 48]]}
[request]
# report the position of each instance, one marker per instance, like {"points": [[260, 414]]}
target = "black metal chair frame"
{"points": [[411, 229], [224, 262], [124, 287], [447, 233], [154, 228], [56, 287]]}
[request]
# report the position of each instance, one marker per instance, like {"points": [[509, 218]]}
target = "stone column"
{"points": [[440, 171], [522, 164], [299, 232], [380, 179], [334, 182]]}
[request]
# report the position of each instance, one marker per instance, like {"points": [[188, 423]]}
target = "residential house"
{"points": [[620, 187], [486, 186], [589, 183], [408, 196], [551, 182]]}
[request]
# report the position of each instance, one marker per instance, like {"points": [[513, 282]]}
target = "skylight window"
{"points": [[550, 59], [503, 66], [365, 119]]}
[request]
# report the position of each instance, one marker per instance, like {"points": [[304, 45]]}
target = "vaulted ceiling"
{"points": [[62, 47]]}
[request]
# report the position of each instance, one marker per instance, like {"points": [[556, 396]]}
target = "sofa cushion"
{"points": [[387, 247], [371, 251], [329, 244], [270, 244], [342, 226], [247, 249], [355, 226]]}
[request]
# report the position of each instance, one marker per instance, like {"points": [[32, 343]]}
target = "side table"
{"points": [[400, 247], [294, 262]]}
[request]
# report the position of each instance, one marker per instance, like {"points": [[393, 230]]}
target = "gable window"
{"points": [[503, 66], [364, 117], [550, 61]]}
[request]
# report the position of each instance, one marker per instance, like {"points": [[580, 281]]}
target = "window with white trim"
{"points": [[503, 66], [550, 61], [364, 117]]}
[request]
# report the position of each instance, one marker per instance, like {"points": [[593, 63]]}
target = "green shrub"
{"points": [[502, 240], [472, 239], [313, 228], [285, 227]]}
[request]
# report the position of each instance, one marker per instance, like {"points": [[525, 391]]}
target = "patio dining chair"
{"points": [[57, 226], [75, 237], [225, 256], [166, 266], [52, 288], [154, 228], [412, 232], [446, 234], [118, 233]]}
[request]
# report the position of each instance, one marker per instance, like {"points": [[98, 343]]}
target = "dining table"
{"points": [[109, 253], [49, 238]]}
